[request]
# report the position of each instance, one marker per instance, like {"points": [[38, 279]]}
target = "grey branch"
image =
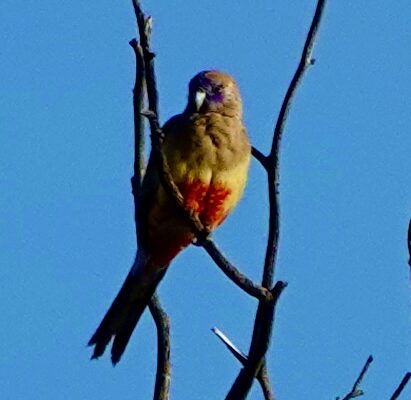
{"points": [[234, 274], [239, 355], [262, 375], [163, 375], [162, 383], [264, 319], [260, 157], [138, 102]]}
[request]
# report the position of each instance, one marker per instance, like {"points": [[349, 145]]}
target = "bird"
{"points": [[208, 153]]}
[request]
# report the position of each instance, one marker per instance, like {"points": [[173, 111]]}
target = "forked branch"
{"points": [[162, 383], [264, 319], [356, 391], [262, 375]]}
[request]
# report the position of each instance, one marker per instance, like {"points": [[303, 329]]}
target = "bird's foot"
{"points": [[203, 236]]}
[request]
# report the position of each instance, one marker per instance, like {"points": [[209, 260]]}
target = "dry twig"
{"points": [[163, 375], [356, 391], [162, 383], [401, 386], [234, 274], [262, 376], [265, 314]]}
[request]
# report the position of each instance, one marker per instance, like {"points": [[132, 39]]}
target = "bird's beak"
{"points": [[199, 99]]}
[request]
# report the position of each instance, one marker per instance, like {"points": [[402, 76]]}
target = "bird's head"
{"points": [[214, 91]]}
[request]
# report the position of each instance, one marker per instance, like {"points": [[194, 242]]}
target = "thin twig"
{"points": [[162, 382], [401, 386], [274, 155], [356, 391], [144, 28], [138, 102], [262, 375], [264, 381], [255, 361], [259, 156], [239, 355], [265, 314], [163, 375], [234, 274]]}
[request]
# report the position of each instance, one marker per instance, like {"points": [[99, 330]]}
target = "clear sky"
{"points": [[66, 213]]}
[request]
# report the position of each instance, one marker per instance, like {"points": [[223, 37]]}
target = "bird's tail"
{"points": [[127, 308]]}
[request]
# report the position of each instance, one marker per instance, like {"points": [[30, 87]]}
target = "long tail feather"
{"points": [[127, 308]]}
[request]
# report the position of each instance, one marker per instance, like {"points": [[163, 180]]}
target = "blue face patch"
{"points": [[215, 96], [212, 88]]}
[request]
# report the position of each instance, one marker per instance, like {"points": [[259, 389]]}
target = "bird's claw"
{"points": [[202, 237]]}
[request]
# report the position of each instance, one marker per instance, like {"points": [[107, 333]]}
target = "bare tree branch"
{"points": [[163, 375], [260, 157], [265, 314], [162, 383], [144, 28], [239, 355], [264, 381], [356, 391], [401, 386], [259, 345], [138, 102], [262, 375], [274, 170], [234, 274]]}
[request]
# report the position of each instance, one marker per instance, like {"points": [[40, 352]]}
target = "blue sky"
{"points": [[67, 233]]}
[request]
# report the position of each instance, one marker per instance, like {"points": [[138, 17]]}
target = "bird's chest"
{"points": [[207, 143], [199, 159]]}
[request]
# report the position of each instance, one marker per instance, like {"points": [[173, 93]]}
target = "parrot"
{"points": [[208, 153]]}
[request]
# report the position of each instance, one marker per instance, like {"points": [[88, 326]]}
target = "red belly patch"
{"points": [[206, 200]]}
